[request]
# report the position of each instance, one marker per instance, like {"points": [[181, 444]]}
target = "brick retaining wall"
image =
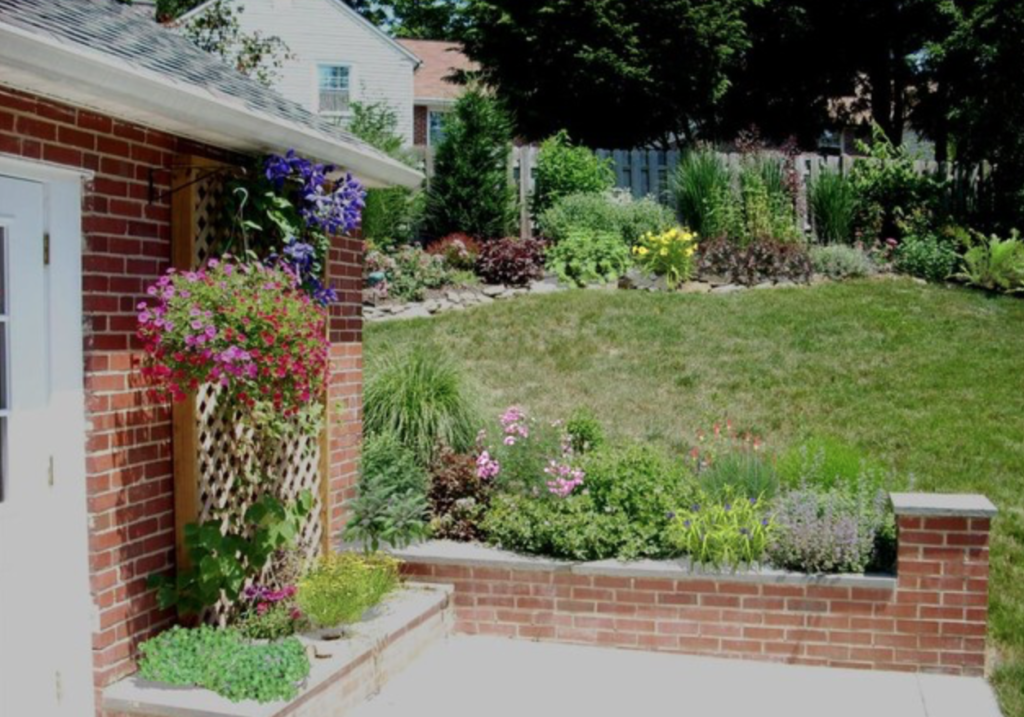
{"points": [[930, 617]]}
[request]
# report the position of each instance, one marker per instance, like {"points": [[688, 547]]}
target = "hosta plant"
{"points": [[729, 532], [248, 328], [669, 254]]}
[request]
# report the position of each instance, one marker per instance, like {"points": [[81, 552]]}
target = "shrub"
{"points": [[841, 262], [828, 531], [760, 261], [731, 531], [832, 200], [421, 398], [525, 455], [585, 432], [996, 264], [926, 252], [702, 187], [569, 528], [670, 254], [222, 661], [392, 216], [470, 190], [511, 261], [341, 587], [768, 212], [563, 169], [458, 497], [614, 211], [391, 505], [588, 257], [459, 251]]}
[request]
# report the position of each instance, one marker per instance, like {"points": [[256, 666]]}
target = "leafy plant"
{"points": [[996, 264], [222, 661], [825, 463], [586, 257], [702, 187], [585, 431], [269, 614], [615, 210], [391, 505], [341, 587], [768, 212], [824, 531], [759, 261], [511, 261], [470, 190], [729, 532], [839, 261], [391, 216], [460, 251], [458, 497], [670, 254], [728, 462], [563, 169], [421, 398], [927, 252], [221, 560], [832, 200]]}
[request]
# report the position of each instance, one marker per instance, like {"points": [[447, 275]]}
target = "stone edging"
{"points": [[352, 670], [473, 555]]}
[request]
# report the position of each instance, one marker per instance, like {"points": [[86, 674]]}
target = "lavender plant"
{"points": [[829, 531]]}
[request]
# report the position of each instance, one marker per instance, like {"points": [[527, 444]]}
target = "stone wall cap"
{"points": [[449, 552], [960, 505]]}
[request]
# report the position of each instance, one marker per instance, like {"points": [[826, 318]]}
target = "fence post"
{"points": [[525, 187]]}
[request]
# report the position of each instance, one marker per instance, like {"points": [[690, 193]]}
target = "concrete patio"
{"points": [[470, 676]]}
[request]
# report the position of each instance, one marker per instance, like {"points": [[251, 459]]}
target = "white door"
{"points": [[38, 591]]}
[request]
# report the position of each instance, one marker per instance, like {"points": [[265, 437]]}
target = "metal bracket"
{"points": [[208, 172]]}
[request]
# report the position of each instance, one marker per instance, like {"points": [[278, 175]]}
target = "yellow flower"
{"points": [[664, 252], [642, 251]]}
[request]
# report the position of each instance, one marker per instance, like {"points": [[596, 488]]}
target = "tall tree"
{"points": [[419, 19], [612, 72]]}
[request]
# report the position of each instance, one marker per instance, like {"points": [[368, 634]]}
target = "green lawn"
{"points": [[928, 379]]}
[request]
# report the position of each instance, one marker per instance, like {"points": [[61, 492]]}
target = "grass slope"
{"points": [[928, 379]]}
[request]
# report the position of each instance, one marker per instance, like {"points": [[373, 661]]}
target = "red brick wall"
{"points": [[931, 619], [419, 126], [127, 245]]}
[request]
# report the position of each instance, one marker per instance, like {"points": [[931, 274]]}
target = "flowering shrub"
{"points": [[247, 327], [269, 614], [511, 261], [669, 254], [407, 274], [731, 532], [829, 531], [727, 459], [531, 457], [459, 251]]}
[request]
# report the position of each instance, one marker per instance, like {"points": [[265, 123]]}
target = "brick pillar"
{"points": [[943, 569], [345, 273]]}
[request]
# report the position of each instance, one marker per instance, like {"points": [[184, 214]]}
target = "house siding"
{"points": [[322, 31], [129, 471]]}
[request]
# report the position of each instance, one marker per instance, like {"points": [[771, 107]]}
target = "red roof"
{"points": [[440, 60]]}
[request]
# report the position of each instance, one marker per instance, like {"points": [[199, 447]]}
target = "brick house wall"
{"points": [[419, 125], [127, 245]]}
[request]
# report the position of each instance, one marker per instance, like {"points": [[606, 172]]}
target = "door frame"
{"points": [[62, 220]]}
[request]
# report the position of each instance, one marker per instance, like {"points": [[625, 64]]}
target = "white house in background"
{"points": [[338, 57]]}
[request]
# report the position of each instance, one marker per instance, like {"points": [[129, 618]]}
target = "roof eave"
{"points": [[45, 66]]}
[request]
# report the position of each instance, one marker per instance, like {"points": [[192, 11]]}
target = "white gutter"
{"points": [[45, 66]]}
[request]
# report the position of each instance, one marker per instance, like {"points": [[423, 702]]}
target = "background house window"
{"points": [[334, 83], [435, 127], [4, 407]]}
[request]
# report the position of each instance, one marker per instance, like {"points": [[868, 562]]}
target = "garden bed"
{"points": [[929, 617], [344, 672]]}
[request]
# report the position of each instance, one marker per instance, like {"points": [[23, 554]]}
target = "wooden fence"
{"points": [[649, 172]]}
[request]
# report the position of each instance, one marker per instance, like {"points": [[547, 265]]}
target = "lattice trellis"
{"points": [[219, 467]]}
